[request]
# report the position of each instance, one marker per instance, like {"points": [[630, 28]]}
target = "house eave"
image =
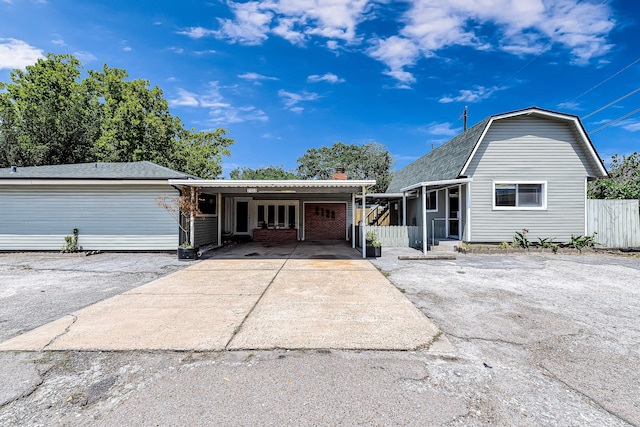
{"points": [[26, 181]]}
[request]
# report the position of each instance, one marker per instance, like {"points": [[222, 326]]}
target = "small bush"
{"points": [[520, 240]]}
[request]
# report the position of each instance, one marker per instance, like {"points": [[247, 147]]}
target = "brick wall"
{"points": [[325, 221], [275, 235]]}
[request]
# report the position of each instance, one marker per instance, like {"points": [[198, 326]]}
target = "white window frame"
{"points": [[426, 201], [276, 203], [519, 208]]}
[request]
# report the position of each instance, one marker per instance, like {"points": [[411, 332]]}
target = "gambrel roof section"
{"points": [[451, 160]]}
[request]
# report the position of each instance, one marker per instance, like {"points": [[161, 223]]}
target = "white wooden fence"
{"points": [[397, 235], [616, 222]]}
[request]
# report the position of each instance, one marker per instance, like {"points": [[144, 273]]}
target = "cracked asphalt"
{"points": [[540, 340]]}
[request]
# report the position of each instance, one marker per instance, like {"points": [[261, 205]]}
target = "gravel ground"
{"points": [[541, 340], [40, 287]]}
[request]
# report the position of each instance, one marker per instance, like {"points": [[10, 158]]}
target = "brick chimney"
{"points": [[339, 174]]}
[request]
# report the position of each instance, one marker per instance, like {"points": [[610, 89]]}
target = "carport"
{"points": [[277, 210]]}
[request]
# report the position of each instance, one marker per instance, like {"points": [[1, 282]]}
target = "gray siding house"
{"points": [[113, 206], [525, 169]]}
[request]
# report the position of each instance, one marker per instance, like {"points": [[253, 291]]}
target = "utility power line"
{"points": [[613, 122], [606, 80], [611, 103]]}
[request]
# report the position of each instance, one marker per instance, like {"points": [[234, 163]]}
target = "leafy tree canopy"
{"points": [[49, 115], [623, 181], [266, 173], [367, 161]]}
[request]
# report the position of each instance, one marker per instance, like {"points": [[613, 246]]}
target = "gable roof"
{"points": [[143, 170], [451, 159], [443, 163]]}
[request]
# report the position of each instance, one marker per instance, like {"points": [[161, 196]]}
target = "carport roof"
{"points": [[277, 186]]}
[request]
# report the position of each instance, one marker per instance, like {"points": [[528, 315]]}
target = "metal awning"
{"points": [[276, 186], [438, 184]]}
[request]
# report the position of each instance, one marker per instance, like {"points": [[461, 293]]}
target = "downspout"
{"points": [[424, 221]]}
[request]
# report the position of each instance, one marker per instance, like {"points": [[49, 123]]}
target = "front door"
{"points": [[453, 213], [242, 217]]}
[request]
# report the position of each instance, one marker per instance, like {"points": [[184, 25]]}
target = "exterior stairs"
{"points": [[445, 245]]}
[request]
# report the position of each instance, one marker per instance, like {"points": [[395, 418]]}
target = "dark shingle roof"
{"points": [[445, 162], [129, 170]]}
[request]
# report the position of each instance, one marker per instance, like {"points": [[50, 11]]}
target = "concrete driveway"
{"points": [[312, 295]]}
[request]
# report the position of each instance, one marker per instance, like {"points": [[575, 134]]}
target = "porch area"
{"points": [[432, 215]]}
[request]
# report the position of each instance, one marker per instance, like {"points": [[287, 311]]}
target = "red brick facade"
{"points": [[325, 221], [275, 235]]}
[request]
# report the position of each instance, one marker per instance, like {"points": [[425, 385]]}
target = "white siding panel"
{"points": [[49, 242], [529, 149], [118, 217]]}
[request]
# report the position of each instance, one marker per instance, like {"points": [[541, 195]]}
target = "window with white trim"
{"points": [[432, 201], [277, 214], [519, 195]]}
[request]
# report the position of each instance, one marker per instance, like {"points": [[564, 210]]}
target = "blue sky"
{"points": [[283, 76]]}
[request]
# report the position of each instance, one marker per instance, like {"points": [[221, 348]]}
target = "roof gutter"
{"points": [[227, 183]]}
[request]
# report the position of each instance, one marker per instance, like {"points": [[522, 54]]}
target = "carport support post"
{"points": [[219, 212], [424, 220], [192, 221], [353, 220], [404, 208], [363, 242]]}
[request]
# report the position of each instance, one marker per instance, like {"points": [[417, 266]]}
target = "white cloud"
{"points": [[294, 21], [328, 77], [197, 32], [127, 49], [569, 106], [85, 56], [427, 27], [520, 28], [397, 53], [18, 54], [445, 129], [297, 110], [251, 24], [220, 111], [255, 77], [477, 94], [629, 125], [292, 98], [58, 40]]}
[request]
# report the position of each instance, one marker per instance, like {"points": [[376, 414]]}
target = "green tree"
{"points": [[269, 172], [367, 161], [623, 181], [48, 115]]}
